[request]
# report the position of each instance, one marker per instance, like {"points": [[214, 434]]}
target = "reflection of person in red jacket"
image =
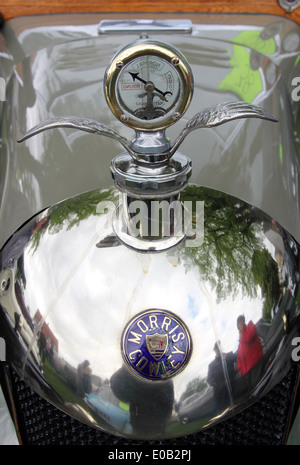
{"points": [[250, 350]]}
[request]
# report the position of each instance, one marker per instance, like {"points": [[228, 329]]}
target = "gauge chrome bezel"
{"points": [[148, 48]]}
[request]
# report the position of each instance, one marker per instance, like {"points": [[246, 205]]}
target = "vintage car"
{"points": [[149, 276]]}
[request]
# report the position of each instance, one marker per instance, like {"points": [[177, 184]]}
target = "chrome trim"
{"points": [[144, 26], [57, 282], [289, 5]]}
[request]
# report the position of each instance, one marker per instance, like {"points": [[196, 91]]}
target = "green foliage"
{"points": [[265, 273], [196, 385], [232, 231], [72, 212]]}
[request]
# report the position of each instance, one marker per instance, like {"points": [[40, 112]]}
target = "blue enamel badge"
{"points": [[156, 344]]}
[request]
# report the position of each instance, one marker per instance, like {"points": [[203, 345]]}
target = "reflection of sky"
{"points": [[87, 295]]}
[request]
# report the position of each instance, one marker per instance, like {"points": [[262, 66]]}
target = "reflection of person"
{"points": [[84, 379], [17, 321], [250, 349], [42, 343], [218, 378], [151, 404]]}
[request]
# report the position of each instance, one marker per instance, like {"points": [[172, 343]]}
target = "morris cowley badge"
{"points": [[156, 344]]}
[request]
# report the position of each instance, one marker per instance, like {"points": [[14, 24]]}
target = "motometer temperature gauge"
{"points": [[148, 85]]}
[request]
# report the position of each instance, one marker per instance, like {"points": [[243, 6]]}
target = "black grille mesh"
{"points": [[264, 423]]}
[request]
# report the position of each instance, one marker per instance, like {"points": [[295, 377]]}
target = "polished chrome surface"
{"points": [[42, 56], [289, 5], [145, 26], [65, 300], [152, 180], [66, 275]]}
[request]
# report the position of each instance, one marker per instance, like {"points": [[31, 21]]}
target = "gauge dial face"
{"points": [[148, 85], [148, 88]]}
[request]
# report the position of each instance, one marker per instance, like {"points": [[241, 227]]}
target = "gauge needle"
{"points": [[136, 76]]}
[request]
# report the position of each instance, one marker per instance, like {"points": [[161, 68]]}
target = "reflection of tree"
{"points": [[196, 385], [233, 256], [231, 234], [265, 273], [71, 212]]}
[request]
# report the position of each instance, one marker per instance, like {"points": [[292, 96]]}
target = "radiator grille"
{"points": [[263, 423]]}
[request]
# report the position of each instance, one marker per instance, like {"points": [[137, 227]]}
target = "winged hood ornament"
{"points": [[148, 86], [210, 117]]}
